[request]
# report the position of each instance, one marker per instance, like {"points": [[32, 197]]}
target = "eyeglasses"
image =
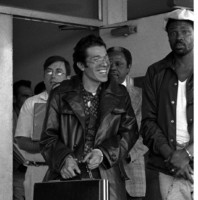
{"points": [[51, 72], [98, 59]]}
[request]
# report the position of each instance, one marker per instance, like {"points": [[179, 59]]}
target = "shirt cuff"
{"points": [[166, 151]]}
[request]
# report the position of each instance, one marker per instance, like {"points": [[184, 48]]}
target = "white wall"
{"points": [[6, 108], [147, 46], [34, 42]]}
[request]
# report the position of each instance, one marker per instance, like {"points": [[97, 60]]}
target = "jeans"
{"points": [[173, 188]]}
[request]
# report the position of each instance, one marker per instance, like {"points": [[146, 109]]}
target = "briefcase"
{"points": [[89, 189]]}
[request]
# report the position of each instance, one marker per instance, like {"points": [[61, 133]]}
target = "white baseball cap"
{"points": [[179, 14]]}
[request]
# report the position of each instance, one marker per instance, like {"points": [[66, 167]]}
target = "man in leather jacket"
{"points": [[167, 117], [89, 122]]}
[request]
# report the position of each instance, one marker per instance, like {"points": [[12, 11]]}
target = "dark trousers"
{"points": [[18, 188], [152, 185]]}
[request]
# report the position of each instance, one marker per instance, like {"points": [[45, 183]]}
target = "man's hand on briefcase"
{"points": [[70, 169], [93, 158]]}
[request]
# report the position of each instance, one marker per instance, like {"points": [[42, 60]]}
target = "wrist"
{"points": [[69, 156], [166, 151]]}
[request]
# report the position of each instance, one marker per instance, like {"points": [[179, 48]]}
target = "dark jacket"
{"points": [[64, 130], [159, 111]]}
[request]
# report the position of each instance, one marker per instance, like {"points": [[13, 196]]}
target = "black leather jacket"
{"points": [[64, 130], [158, 126]]}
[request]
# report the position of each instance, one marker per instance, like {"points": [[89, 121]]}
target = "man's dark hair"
{"points": [[20, 83], [126, 53], [53, 59], [81, 47], [170, 21]]}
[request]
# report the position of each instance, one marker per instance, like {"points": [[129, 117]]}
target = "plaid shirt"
{"points": [[135, 169]]}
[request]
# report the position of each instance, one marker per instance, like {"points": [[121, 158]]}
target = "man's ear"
{"points": [[81, 66], [129, 68]]}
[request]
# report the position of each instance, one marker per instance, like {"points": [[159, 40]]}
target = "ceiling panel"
{"points": [[89, 8], [143, 8], [76, 8]]}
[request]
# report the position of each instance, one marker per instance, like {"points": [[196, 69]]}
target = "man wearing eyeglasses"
{"points": [[28, 131], [90, 123]]}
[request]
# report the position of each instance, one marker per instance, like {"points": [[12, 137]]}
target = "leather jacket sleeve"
{"points": [[118, 145], [152, 134], [52, 148]]}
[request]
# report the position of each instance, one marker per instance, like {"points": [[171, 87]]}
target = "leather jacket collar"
{"points": [[74, 85], [110, 97]]}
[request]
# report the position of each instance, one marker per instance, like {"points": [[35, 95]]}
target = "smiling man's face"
{"points": [[97, 64]]}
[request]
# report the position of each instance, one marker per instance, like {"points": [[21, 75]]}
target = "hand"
{"points": [[70, 168], [93, 159], [186, 173], [179, 159]]}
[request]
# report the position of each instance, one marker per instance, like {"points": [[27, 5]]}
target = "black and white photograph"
{"points": [[97, 100]]}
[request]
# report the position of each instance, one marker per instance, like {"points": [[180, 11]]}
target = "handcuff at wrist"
{"points": [[101, 154], [189, 154]]}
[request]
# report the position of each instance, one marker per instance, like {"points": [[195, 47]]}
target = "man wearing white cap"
{"points": [[167, 112]]}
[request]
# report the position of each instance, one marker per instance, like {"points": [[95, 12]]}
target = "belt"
{"points": [[34, 163]]}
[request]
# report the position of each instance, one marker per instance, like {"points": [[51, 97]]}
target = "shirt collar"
{"points": [[124, 83], [44, 95]]}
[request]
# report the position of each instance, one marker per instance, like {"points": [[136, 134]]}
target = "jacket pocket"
{"points": [[118, 111], [65, 111]]}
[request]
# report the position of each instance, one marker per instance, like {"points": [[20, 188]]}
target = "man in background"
{"points": [[167, 112], [120, 65], [28, 130], [21, 91]]}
